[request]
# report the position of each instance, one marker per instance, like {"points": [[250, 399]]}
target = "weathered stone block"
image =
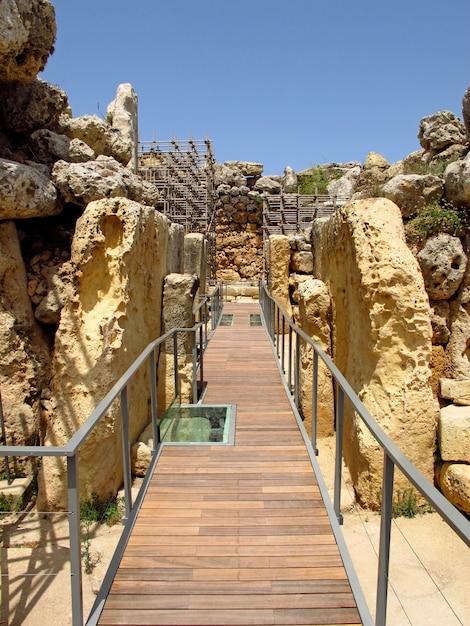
{"points": [[382, 335], [454, 433], [455, 484], [456, 390]]}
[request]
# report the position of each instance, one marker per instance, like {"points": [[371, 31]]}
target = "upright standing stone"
{"points": [[178, 301], [382, 336], [114, 313], [195, 258], [278, 260], [123, 114], [314, 319]]}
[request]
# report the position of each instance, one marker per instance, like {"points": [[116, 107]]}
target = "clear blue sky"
{"points": [[283, 83]]}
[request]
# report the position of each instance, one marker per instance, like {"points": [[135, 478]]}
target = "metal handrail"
{"points": [[277, 322], [71, 448]]}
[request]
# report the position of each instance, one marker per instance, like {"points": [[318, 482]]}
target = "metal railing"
{"points": [[286, 338], [120, 391]]}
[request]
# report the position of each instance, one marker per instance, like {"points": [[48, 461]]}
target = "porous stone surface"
{"points": [[268, 184], [117, 266], [302, 262], [25, 357], [289, 180], [178, 300], [456, 390], [454, 433], [278, 261], [26, 192], [412, 192], [374, 174], [26, 107], [443, 263], [439, 131], [239, 235], [195, 258], [440, 321], [81, 183], [49, 147], [103, 138], [175, 254], [246, 168], [383, 344], [315, 310], [225, 175], [122, 114], [455, 484], [457, 353], [457, 182], [27, 36]]}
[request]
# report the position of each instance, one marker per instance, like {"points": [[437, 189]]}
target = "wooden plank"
{"points": [[235, 534]]}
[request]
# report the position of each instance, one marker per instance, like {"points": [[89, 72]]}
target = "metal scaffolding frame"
{"points": [[183, 172]]}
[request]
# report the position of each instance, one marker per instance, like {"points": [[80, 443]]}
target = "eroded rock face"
{"points": [[81, 183], [178, 300], [278, 259], [455, 484], [24, 358], [268, 184], [26, 192], [443, 263], [246, 168], [27, 36], [412, 192], [100, 136], [289, 181], [49, 147], [117, 264], [315, 310], [27, 107], [439, 131], [457, 182], [382, 337], [123, 115]]}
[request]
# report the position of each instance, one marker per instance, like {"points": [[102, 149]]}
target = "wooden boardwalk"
{"points": [[235, 534]]}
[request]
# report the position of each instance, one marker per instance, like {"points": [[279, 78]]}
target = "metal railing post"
{"points": [[297, 371], [201, 361], [314, 401], [339, 454], [194, 367], [75, 540], [153, 400], [384, 547], [289, 369], [126, 452], [175, 364], [283, 345]]}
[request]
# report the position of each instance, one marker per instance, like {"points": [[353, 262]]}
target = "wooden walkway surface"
{"points": [[235, 534]]}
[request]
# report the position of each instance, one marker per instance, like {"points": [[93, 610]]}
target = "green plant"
{"points": [[8, 503], [315, 181], [433, 219], [405, 503], [108, 512]]}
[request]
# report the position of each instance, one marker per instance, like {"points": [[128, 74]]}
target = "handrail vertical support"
{"points": [[314, 401], [75, 540], [194, 367], [175, 363], [297, 371], [126, 453], [283, 341], [339, 454], [384, 546], [153, 400]]}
